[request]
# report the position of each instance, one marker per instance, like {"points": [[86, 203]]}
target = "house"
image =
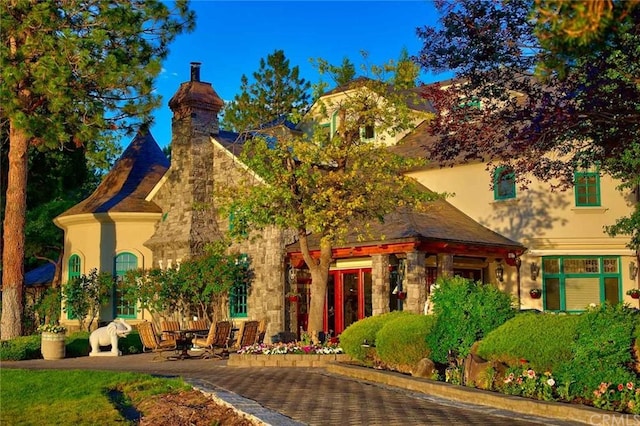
{"points": [[148, 212]]}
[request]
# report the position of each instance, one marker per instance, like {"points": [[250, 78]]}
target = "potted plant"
{"points": [[401, 295], [535, 293], [292, 297], [53, 341], [634, 293]]}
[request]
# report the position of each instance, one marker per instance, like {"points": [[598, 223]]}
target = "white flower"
{"points": [[551, 382]]}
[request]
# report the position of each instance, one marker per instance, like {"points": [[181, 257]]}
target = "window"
{"points": [[75, 270], [587, 189], [75, 266], [124, 262], [367, 132], [504, 183], [238, 295], [572, 283]]}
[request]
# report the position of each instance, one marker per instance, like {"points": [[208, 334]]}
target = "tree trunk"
{"points": [[14, 237], [319, 278]]}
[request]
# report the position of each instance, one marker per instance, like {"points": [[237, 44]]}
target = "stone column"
{"points": [[415, 282], [380, 283], [445, 265]]}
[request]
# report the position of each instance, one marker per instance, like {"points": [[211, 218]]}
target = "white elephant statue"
{"points": [[108, 335]]}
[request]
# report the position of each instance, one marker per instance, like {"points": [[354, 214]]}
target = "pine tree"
{"points": [[276, 92], [72, 71]]}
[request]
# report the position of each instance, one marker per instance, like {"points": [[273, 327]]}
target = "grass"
{"points": [[54, 397]]}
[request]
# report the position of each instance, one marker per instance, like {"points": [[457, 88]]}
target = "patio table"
{"points": [[183, 340]]}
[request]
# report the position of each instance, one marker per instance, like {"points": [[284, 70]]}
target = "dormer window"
{"points": [[367, 132]]}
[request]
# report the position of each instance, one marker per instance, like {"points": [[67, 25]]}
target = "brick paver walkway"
{"points": [[294, 396]]}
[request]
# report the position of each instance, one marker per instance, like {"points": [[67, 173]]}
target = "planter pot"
{"points": [[535, 295], [401, 295], [292, 298], [635, 296], [52, 345]]}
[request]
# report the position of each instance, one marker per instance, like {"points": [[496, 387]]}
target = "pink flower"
{"points": [[531, 374], [630, 385], [597, 393], [620, 387]]}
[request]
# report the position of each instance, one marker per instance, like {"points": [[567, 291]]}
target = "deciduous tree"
{"points": [[329, 185], [72, 72], [583, 111]]}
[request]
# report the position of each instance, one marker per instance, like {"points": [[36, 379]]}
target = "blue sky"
{"points": [[232, 36]]}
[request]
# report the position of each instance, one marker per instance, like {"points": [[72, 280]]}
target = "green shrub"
{"points": [[353, 337], [401, 340], [20, 348], [465, 312], [541, 339], [601, 350]]}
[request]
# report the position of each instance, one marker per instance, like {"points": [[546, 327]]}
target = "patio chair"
{"points": [[262, 330], [167, 327], [217, 338], [151, 343], [200, 324], [247, 334]]}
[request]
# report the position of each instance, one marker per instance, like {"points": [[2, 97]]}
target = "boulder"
{"points": [[481, 373], [425, 368]]}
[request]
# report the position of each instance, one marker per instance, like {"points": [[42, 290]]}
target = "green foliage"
{"points": [[84, 295], [465, 313], [329, 186], [601, 350], [365, 330], [276, 91], [48, 308], [20, 348], [402, 340], [406, 71], [199, 286], [542, 340], [74, 73]]}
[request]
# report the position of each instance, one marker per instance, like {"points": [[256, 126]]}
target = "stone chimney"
{"points": [[196, 104]]}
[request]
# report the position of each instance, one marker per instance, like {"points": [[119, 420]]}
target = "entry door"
{"points": [[348, 299]]}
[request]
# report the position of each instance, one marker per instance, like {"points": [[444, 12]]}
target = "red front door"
{"points": [[348, 299]]}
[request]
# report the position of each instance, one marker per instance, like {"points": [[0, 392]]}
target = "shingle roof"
{"points": [[439, 222], [130, 180]]}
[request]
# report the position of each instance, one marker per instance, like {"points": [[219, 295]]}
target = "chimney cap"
{"points": [[195, 71]]}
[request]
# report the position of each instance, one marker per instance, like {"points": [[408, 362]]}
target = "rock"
{"points": [[425, 368], [481, 373]]}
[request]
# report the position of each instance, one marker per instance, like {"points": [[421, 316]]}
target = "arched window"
{"points": [[124, 262], [75, 267]]}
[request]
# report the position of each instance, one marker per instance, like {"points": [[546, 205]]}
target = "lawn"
{"points": [[55, 397]]}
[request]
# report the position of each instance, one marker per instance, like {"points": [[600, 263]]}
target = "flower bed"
{"points": [[294, 354]]}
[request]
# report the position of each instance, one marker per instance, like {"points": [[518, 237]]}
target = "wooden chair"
{"points": [[169, 326], [217, 338], [247, 334], [200, 324], [151, 343], [262, 330]]}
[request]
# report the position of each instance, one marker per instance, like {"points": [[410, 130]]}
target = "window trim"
{"points": [[602, 275], [587, 186], [117, 273], [499, 176]]}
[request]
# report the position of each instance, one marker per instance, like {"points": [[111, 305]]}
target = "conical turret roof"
{"points": [[129, 182]]}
